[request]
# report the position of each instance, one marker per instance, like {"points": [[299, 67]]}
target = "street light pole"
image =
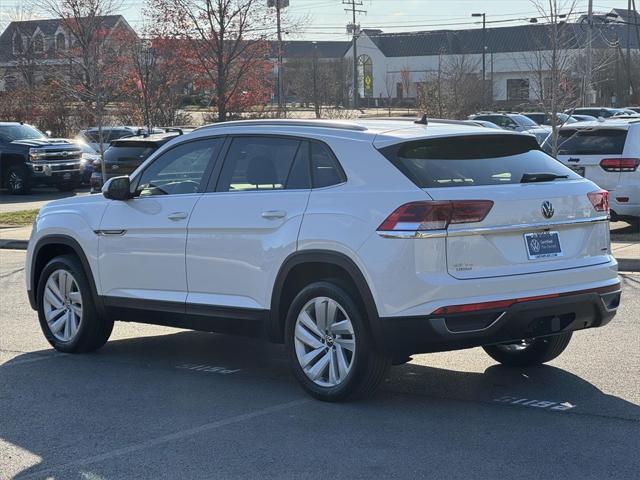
{"points": [[484, 55]]}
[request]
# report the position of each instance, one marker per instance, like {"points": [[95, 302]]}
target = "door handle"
{"points": [[274, 214], [175, 216]]}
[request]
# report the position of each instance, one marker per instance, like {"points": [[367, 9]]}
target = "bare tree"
{"points": [[95, 57], [405, 80], [553, 61]]}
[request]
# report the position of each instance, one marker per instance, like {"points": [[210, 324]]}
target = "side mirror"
{"points": [[48, 133], [117, 188]]}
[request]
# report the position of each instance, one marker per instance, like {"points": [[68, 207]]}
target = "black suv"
{"points": [[29, 158], [125, 155]]}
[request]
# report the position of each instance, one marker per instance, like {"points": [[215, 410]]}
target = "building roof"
{"points": [[304, 48], [47, 26], [522, 38]]}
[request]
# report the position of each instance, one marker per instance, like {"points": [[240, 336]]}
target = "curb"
{"points": [[14, 244], [624, 264]]}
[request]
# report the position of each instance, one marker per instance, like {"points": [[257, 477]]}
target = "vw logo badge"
{"points": [[535, 246], [547, 209]]}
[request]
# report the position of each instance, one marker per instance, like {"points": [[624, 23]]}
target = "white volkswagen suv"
{"points": [[356, 244]]}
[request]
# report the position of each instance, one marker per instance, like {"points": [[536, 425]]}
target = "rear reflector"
{"points": [[600, 200], [435, 215], [620, 164], [504, 304]]}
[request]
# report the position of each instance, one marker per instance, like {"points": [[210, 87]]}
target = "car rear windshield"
{"points": [[127, 154], [472, 160], [591, 142]]}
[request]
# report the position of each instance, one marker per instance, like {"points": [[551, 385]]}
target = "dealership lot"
{"points": [[165, 403]]}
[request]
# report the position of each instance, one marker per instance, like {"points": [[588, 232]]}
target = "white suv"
{"points": [[607, 153], [356, 244]]}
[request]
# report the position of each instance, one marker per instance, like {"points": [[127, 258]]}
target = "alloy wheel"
{"points": [[325, 342], [62, 304], [15, 181]]}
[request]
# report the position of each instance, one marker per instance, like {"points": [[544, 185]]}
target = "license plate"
{"points": [[543, 245], [578, 170], [66, 176]]}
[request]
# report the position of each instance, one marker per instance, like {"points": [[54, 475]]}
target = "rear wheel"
{"points": [[330, 346], [17, 180], [534, 351], [67, 313]]}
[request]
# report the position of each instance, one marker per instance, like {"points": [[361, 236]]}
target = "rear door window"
{"points": [[263, 163], [472, 160], [591, 142]]}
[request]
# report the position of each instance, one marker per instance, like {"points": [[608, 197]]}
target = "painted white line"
{"points": [[165, 439], [528, 402], [207, 368]]}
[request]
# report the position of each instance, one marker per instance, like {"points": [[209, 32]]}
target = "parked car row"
{"points": [[29, 157]]}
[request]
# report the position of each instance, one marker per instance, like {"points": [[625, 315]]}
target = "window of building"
{"points": [[38, 43], [61, 42], [517, 89], [18, 46]]}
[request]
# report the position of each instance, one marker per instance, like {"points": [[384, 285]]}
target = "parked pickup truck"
{"points": [[29, 158]]}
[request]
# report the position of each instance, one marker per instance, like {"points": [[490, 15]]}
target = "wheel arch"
{"points": [[49, 247], [304, 267]]}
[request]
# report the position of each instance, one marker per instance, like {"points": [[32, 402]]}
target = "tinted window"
{"points": [[261, 163], [540, 118], [9, 133], [179, 170], [525, 121], [468, 161], [324, 167], [591, 142], [124, 154]]}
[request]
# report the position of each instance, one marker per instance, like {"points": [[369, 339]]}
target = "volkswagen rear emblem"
{"points": [[547, 209]]}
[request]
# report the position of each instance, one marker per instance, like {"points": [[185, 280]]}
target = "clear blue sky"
{"points": [[327, 18]]}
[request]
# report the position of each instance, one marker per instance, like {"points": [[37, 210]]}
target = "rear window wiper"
{"points": [[540, 177]]}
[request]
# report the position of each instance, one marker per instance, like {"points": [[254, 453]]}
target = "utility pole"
{"points": [[354, 28], [587, 83], [629, 87], [279, 5], [484, 56]]}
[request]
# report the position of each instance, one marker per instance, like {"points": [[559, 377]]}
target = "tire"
{"points": [[346, 364], [70, 331], [535, 351], [17, 180]]}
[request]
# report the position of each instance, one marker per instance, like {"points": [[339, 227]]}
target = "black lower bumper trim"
{"points": [[533, 319]]}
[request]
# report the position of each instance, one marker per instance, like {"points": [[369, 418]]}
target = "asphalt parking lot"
{"points": [[165, 403], [36, 199]]}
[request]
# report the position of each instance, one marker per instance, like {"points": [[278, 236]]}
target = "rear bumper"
{"points": [[524, 319]]}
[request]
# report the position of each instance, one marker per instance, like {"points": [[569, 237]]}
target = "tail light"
{"points": [[600, 200], [435, 215], [620, 164]]}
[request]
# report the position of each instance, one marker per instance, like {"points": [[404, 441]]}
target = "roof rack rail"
{"points": [[289, 123]]}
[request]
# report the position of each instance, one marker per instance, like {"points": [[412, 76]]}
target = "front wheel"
{"points": [[534, 351], [18, 180], [330, 346], [67, 312]]}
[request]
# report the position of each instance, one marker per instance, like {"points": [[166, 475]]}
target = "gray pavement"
{"points": [[159, 403], [36, 199]]}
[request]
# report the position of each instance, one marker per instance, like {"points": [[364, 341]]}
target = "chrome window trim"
{"points": [[485, 230]]}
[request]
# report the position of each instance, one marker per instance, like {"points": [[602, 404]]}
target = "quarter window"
{"points": [[324, 167], [180, 170], [264, 163]]}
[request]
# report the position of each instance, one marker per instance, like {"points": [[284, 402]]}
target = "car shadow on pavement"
{"points": [[139, 388]]}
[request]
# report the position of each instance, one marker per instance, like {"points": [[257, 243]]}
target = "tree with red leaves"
{"points": [[229, 54]]}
